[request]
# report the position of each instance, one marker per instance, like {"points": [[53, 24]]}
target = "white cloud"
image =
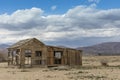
{"points": [[53, 7], [76, 23], [21, 16], [21, 19]]}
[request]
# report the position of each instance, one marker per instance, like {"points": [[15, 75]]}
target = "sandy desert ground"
{"points": [[91, 70]]}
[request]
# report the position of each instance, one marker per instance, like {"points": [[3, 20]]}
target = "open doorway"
{"points": [[15, 56], [28, 54], [58, 57]]}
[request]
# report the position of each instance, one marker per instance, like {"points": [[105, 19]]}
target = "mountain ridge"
{"points": [[106, 48]]}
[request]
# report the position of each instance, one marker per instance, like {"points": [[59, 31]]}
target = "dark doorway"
{"points": [[57, 61], [58, 57], [28, 54]]}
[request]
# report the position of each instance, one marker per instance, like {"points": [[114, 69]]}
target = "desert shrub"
{"points": [[104, 63], [45, 70], [60, 68], [24, 70], [93, 77], [80, 72]]}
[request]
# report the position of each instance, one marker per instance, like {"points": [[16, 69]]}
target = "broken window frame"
{"points": [[28, 52], [58, 54], [38, 53]]}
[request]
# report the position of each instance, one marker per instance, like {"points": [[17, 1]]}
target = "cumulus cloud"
{"points": [[22, 19], [77, 23]]}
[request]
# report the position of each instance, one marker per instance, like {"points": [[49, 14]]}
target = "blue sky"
{"points": [[71, 23], [63, 5], [9, 6]]}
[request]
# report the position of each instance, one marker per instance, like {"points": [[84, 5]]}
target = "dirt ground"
{"points": [[91, 70]]}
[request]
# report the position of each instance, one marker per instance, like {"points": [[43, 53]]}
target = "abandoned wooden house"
{"points": [[32, 52]]}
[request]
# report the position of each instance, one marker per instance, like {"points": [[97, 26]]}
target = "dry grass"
{"points": [[91, 70]]}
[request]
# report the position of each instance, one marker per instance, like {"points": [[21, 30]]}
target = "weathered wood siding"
{"points": [[70, 56], [35, 46]]}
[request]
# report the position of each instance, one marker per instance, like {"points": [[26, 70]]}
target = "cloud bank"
{"points": [[76, 24]]}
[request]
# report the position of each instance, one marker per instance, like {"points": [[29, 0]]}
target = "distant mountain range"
{"points": [[4, 45], [108, 48], [3, 51]]}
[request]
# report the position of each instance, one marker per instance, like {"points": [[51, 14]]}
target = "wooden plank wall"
{"points": [[70, 56]]}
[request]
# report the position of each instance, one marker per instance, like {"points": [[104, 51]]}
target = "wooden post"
{"points": [[80, 58], [12, 57], [22, 60], [8, 57]]}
